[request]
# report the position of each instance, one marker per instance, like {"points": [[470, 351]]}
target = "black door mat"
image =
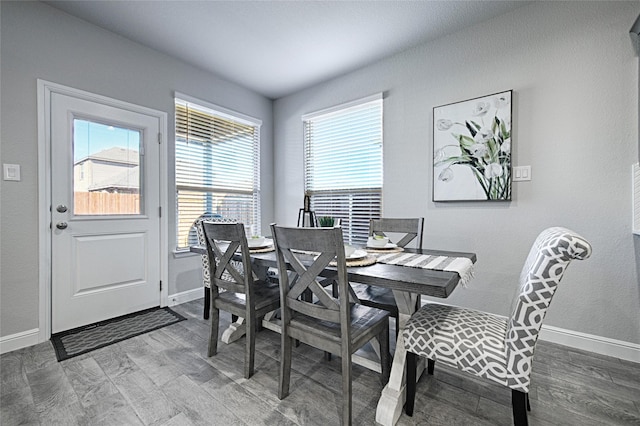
{"points": [[87, 338]]}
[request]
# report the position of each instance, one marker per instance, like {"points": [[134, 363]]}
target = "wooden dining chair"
{"points": [[337, 325], [234, 288], [402, 232], [491, 346]]}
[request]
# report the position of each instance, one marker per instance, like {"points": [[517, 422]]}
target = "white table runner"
{"points": [[461, 265]]}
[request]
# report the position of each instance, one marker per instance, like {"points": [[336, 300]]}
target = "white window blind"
{"points": [[343, 165], [217, 168]]}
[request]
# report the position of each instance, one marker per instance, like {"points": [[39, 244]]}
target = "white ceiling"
{"points": [[279, 47]]}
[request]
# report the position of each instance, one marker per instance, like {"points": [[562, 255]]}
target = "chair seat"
{"points": [[470, 340], [266, 296], [366, 323]]}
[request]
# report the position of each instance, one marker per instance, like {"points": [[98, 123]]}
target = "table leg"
{"points": [[392, 399], [237, 328], [235, 331]]}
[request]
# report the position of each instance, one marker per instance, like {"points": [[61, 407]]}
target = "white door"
{"points": [[105, 196]]}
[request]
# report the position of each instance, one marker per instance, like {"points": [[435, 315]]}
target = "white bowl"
{"points": [[348, 250], [377, 242], [255, 241]]}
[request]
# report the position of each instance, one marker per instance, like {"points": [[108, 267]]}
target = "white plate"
{"points": [[358, 254], [267, 243], [389, 246]]}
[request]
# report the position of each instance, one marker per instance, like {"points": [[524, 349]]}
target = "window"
{"points": [[217, 166], [343, 164], [112, 156]]}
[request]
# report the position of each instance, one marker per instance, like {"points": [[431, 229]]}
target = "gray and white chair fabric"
{"points": [[487, 345], [234, 286], [199, 239], [311, 315]]}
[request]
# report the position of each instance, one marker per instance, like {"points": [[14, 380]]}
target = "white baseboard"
{"points": [[19, 340], [186, 296], [32, 337], [588, 342], [574, 339]]}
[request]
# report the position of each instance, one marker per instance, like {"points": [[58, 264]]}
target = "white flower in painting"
{"points": [[446, 175], [506, 147], [493, 170], [481, 108], [501, 101], [478, 150], [439, 155], [444, 124], [483, 135]]}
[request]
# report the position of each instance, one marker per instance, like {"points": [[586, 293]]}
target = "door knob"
{"points": [[61, 225], [61, 208]]}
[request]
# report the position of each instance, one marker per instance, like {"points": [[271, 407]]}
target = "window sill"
{"points": [[179, 254]]}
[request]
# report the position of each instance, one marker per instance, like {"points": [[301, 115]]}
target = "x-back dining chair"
{"points": [[405, 230], [490, 346], [339, 324], [243, 295]]}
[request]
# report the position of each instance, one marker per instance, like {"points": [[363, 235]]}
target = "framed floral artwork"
{"points": [[472, 149]]}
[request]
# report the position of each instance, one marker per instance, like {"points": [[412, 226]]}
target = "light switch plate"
{"points": [[11, 171], [521, 173]]}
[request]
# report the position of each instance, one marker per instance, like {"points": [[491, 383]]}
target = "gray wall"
{"points": [[38, 41], [574, 73]]}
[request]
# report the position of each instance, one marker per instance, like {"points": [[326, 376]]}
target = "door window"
{"points": [[106, 169]]}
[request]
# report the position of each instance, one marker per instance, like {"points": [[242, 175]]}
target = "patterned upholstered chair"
{"points": [[200, 240], [487, 345]]}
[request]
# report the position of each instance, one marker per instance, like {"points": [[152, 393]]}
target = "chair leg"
{"points": [[250, 346], [385, 356], [334, 289], [207, 303], [411, 383], [285, 365], [213, 336], [397, 321], [259, 326], [519, 406], [528, 405], [430, 366], [346, 386]]}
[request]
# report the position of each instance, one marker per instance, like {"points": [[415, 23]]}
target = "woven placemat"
{"points": [[384, 250], [365, 261], [263, 249]]}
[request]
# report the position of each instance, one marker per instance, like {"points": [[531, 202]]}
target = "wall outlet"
{"points": [[521, 173]]}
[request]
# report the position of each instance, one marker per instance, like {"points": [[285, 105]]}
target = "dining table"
{"points": [[407, 284]]}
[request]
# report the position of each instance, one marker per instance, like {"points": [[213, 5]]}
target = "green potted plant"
{"points": [[326, 221]]}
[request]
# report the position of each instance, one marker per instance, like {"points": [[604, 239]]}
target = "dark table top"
{"points": [[415, 280]]}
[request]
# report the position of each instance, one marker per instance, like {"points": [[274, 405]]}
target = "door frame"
{"points": [[45, 89]]}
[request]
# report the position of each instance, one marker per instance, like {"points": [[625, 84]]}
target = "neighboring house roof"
{"points": [[126, 179], [114, 155]]}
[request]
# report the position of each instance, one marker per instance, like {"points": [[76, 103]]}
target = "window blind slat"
{"points": [[343, 166], [217, 168]]}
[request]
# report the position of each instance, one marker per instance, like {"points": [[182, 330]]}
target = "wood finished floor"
{"points": [[165, 378]]}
